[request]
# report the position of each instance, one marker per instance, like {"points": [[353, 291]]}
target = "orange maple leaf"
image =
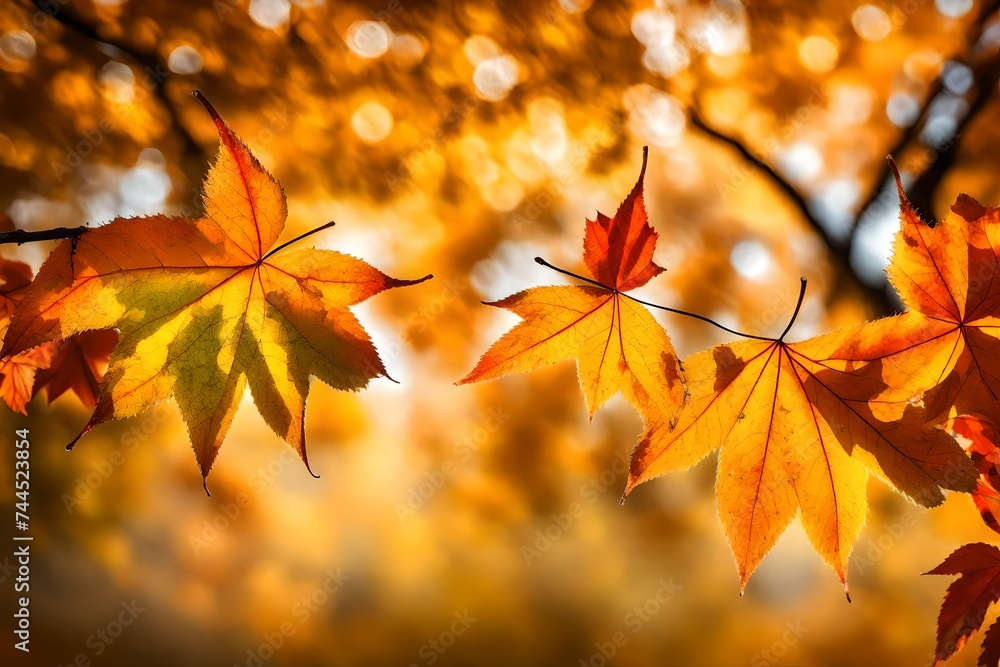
{"points": [[948, 275], [797, 435], [18, 370], [77, 365], [981, 436], [18, 373], [206, 307], [14, 280], [967, 600], [617, 344]]}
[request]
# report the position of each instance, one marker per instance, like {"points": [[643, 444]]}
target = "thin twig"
{"points": [[20, 236]]}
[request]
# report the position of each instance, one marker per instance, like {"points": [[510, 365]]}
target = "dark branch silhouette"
{"points": [[986, 74], [906, 137], [151, 63], [20, 236], [838, 248]]}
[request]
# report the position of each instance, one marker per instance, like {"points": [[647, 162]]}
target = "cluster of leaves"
{"points": [[978, 586], [54, 367], [800, 425], [202, 308]]}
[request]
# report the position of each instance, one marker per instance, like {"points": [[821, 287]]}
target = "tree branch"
{"points": [[151, 63], [885, 175], [21, 236], [924, 189], [973, 35], [789, 191], [838, 249]]}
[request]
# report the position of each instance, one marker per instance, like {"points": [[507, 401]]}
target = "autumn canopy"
{"points": [[708, 372]]}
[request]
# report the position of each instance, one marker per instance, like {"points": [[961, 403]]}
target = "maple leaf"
{"points": [[18, 370], [989, 655], [77, 365], [948, 275], [797, 435], [14, 280], [206, 307], [18, 373], [981, 436], [967, 600], [617, 343]]}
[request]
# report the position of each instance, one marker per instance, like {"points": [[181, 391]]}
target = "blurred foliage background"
{"points": [[465, 139]]}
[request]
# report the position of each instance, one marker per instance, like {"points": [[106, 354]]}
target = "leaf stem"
{"points": [[697, 317], [299, 238], [795, 313], [208, 106], [539, 260], [676, 311], [645, 157]]}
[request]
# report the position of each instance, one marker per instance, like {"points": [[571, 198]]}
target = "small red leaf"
{"points": [[968, 597]]}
